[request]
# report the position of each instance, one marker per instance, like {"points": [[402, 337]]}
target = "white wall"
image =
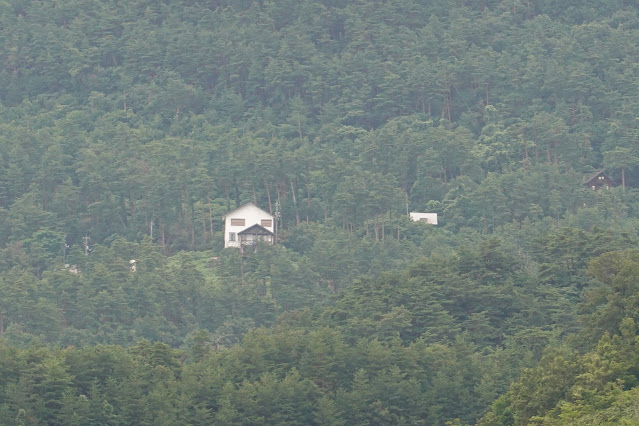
{"points": [[251, 214], [430, 218]]}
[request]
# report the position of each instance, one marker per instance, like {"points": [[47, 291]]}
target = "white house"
{"points": [[430, 218], [246, 225]]}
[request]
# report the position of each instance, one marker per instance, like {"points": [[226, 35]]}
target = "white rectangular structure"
{"points": [[430, 218], [243, 218]]}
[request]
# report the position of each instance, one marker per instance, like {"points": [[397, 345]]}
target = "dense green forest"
{"points": [[129, 128]]}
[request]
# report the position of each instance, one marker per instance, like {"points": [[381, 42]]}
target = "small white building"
{"points": [[430, 218], [246, 225]]}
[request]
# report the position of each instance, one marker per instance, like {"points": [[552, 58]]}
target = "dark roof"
{"points": [[244, 205], [256, 230], [596, 174]]}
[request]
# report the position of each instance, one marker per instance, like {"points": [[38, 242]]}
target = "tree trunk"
{"points": [[204, 225], [254, 195], [308, 201], [383, 228], [268, 195], [210, 219], [376, 227], [237, 192], [297, 213]]}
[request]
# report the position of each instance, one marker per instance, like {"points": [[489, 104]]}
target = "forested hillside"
{"points": [[129, 128]]}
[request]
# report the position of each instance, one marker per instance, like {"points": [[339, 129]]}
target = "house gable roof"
{"points": [[249, 204], [256, 230], [593, 176]]}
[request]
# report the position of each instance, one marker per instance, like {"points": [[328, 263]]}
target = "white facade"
{"points": [[243, 218], [430, 218]]}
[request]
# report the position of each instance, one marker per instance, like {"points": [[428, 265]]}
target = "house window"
{"points": [[594, 188], [601, 177], [267, 223], [238, 222], [231, 236]]}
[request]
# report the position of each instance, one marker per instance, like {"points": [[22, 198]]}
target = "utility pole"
{"points": [[278, 215]]}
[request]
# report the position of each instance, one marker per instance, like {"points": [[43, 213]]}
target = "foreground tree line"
{"points": [[438, 340]]}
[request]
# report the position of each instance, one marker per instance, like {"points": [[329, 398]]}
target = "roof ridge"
{"points": [[244, 205]]}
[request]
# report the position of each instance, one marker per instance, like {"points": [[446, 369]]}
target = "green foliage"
{"points": [[127, 129]]}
